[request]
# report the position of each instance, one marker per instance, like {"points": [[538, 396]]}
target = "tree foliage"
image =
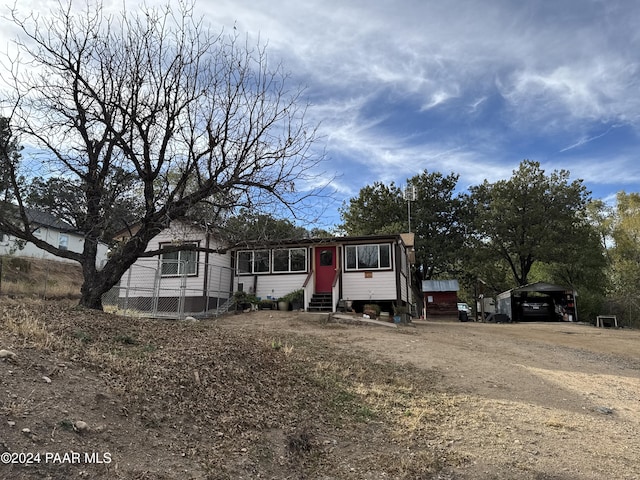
{"points": [[65, 199], [154, 101], [377, 209], [625, 251], [435, 219], [531, 217], [249, 227], [9, 159]]}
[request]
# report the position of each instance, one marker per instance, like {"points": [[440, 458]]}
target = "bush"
{"points": [[243, 299], [266, 304], [372, 309]]}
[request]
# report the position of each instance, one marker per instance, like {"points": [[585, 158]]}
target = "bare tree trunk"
{"points": [[187, 117]]}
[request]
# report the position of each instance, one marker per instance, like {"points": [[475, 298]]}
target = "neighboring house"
{"points": [[53, 231], [440, 298], [331, 271]]}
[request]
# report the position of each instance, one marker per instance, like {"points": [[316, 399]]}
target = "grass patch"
{"points": [[126, 339], [36, 277]]}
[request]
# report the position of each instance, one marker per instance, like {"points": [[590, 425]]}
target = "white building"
{"points": [[53, 231]]}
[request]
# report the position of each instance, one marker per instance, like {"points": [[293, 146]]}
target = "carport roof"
{"points": [[542, 287]]}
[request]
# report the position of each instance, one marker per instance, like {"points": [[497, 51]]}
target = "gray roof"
{"points": [[440, 286], [542, 287], [46, 219]]}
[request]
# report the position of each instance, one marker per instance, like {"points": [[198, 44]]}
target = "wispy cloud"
{"points": [[464, 86], [585, 140]]}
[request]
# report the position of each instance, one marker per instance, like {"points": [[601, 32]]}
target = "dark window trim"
{"points": [[178, 275], [271, 270]]}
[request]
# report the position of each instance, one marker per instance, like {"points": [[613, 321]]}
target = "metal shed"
{"points": [[538, 302]]}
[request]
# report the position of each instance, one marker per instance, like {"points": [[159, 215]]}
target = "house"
{"points": [[54, 231], [183, 282], [333, 273], [440, 298]]}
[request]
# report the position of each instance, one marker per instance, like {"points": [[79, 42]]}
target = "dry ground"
{"points": [[280, 395]]}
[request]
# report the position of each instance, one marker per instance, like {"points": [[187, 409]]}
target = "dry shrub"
{"points": [[36, 277], [25, 324]]}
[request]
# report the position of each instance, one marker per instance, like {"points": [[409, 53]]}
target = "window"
{"points": [[261, 261], [255, 261], [290, 260], [368, 257], [63, 241], [244, 262], [326, 258], [184, 262]]}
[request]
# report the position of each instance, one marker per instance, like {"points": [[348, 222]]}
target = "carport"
{"points": [[538, 302]]}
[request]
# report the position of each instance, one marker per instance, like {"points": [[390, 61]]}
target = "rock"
{"points": [[604, 410], [11, 423], [7, 355], [46, 379], [190, 319], [80, 426], [26, 431]]}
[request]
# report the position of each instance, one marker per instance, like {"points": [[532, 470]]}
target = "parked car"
{"points": [[464, 307], [538, 309]]}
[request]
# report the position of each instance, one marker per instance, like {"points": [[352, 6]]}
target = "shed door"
{"points": [[325, 268]]}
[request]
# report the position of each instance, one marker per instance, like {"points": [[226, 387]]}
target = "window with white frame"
{"points": [[290, 260], [253, 261], [368, 257], [63, 241], [183, 262]]}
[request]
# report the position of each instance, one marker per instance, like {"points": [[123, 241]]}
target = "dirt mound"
{"points": [[285, 395], [166, 399], [37, 277]]}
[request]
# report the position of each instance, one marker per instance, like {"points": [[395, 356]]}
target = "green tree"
{"points": [[65, 199], [625, 256], [435, 219], [187, 115], [9, 159], [531, 217], [249, 227], [377, 209]]}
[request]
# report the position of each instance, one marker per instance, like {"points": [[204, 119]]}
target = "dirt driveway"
{"points": [[528, 400]]}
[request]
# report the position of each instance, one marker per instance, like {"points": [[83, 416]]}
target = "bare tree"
{"points": [[185, 115]]}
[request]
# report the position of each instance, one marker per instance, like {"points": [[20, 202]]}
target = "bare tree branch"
{"points": [[191, 115]]}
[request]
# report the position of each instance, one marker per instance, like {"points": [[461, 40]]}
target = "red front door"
{"points": [[325, 268]]}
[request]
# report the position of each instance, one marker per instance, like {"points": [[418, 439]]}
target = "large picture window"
{"points": [[290, 260], [184, 262], [253, 261], [368, 257]]}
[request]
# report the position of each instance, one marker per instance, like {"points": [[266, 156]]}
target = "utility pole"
{"points": [[409, 196]]}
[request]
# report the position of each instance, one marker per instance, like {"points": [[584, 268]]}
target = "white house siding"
{"points": [[381, 285], [272, 286], [144, 279], [404, 289]]}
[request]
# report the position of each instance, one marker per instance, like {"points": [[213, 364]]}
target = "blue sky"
{"points": [[460, 86], [465, 86]]}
